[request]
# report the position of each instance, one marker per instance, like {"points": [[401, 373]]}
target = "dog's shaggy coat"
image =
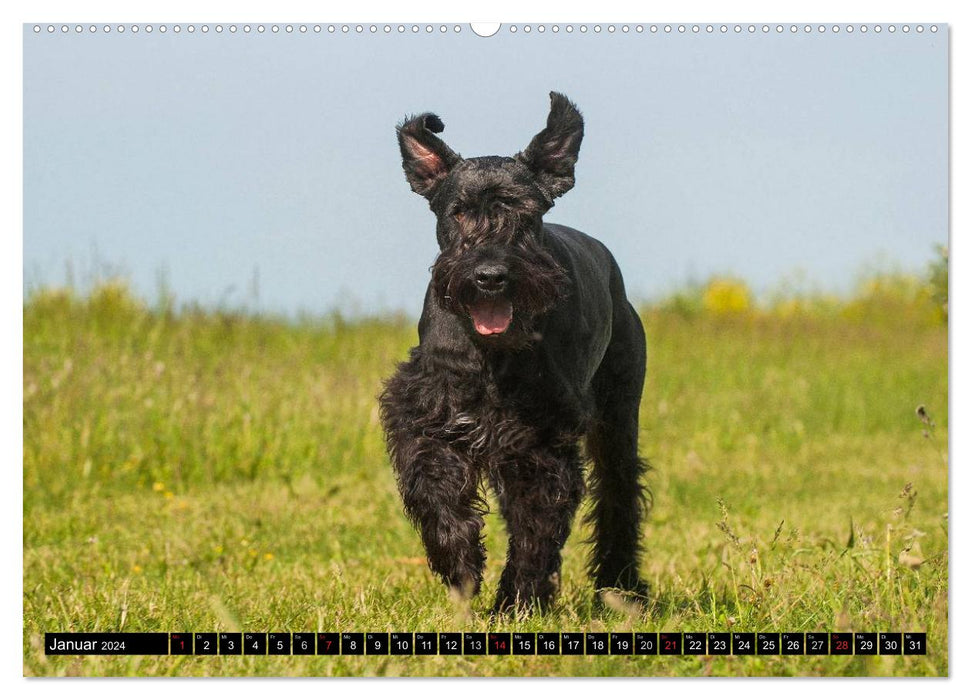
{"points": [[528, 345]]}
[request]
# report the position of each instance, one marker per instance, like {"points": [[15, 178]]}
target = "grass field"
{"points": [[219, 471]]}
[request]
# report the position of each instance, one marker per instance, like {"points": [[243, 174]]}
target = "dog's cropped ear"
{"points": [[425, 157], [552, 154]]}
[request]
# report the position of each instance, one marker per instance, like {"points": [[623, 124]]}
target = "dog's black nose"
{"points": [[491, 277]]}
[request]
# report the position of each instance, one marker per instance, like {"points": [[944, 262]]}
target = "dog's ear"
{"points": [[425, 157], [552, 154]]}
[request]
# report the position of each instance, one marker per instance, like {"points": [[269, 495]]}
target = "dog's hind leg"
{"points": [[620, 499]]}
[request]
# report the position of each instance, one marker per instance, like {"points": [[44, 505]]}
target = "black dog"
{"points": [[527, 344]]}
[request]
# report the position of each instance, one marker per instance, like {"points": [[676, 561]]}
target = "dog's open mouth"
{"points": [[491, 316]]}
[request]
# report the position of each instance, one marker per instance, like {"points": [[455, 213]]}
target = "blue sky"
{"points": [[216, 159]]}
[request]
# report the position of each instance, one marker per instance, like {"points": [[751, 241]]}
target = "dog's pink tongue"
{"points": [[491, 317]]}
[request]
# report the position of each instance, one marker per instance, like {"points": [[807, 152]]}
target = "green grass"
{"points": [[213, 471]]}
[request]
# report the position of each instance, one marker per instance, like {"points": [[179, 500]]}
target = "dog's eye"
{"points": [[459, 216]]}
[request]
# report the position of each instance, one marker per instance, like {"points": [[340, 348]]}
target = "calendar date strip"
{"points": [[486, 643]]}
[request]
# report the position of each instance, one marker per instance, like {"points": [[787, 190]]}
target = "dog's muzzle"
{"points": [[491, 313]]}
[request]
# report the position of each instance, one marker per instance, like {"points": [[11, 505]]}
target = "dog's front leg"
{"points": [[538, 497], [440, 493]]}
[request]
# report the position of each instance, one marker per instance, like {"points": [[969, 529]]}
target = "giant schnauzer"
{"points": [[527, 343]]}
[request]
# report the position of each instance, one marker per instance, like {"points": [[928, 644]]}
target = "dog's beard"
{"points": [[536, 284]]}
